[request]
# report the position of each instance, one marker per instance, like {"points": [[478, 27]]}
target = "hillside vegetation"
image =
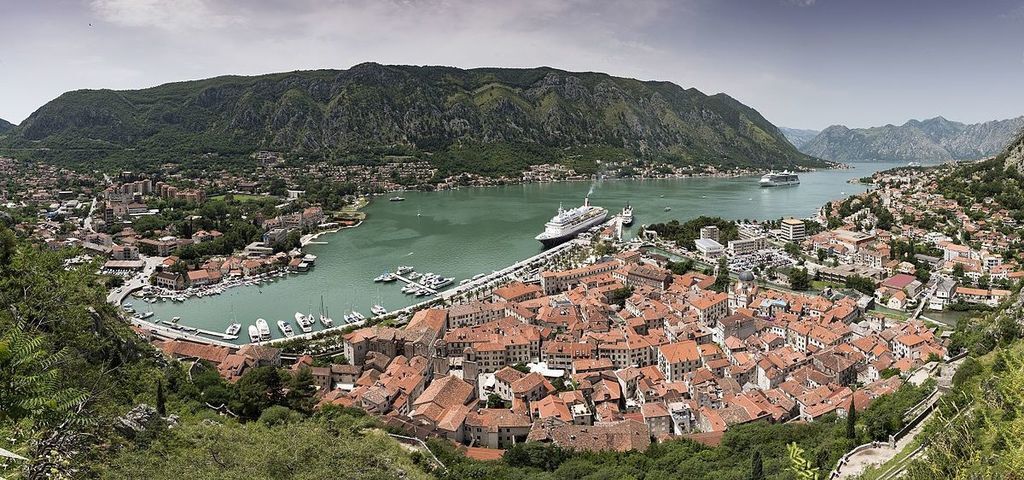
{"points": [[494, 119]]}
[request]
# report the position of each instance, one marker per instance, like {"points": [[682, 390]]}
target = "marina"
{"points": [[474, 232]]}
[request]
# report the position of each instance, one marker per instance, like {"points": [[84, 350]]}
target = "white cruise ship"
{"points": [[785, 177], [569, 223]]}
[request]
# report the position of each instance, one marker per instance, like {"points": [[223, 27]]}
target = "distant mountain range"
{"points": [[491, 120], [797, 136], [934, 139], [5, 126]]}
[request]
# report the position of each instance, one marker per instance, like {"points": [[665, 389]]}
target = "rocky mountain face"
{"points": [[935, 139], [5, 126], [413, 110], [797, 136], [1015, 154]]}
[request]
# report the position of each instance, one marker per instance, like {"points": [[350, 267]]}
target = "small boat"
{"points": [[126, 305], [233, 329], [397, 199], [479, 276], [627, 215], [389, 277], [403, 269], [414, 275], [254, 334], [668, 209], [285, 328], [263, 328], [378, 310], [175, 319], [145, 315], [465, 281]]}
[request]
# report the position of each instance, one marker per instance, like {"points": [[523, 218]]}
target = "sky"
{"points": [[801, 63]]}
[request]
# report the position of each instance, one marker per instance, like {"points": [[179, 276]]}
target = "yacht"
{"points": [[566, 224], [378, 310], [627, 215], [263, 328], [783, 178], [305, 322], [403, 269], [233, 329], [285, 328], [254, 334], [443, 282]]}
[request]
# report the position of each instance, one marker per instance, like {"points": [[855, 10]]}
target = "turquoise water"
{"points": [[464, 232]]}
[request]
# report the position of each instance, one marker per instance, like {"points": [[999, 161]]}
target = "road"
{"points": [[861, 461], [137, 281], [87, 223]]}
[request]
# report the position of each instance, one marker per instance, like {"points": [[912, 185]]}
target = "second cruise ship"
{"points": [[566, 224], [773, 179]]}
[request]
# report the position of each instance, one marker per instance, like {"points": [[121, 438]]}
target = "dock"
{"points": [[221, 335], [417, 284]]}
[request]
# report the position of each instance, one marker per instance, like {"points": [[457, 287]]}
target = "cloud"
{"points": [[173, 15]]}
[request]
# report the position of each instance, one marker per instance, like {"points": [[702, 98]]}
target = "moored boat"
{"points": [[263, 328], [285, 328], [254, 334]]}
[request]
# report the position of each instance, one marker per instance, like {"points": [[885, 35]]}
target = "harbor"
{"points": [[479, 233]]}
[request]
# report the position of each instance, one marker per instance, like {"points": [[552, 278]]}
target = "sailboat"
{"points": [[324, 318]]}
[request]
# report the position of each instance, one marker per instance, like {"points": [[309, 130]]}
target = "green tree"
{"points": [[161, 398], [851, 421], [756, 466], [799, 279]]}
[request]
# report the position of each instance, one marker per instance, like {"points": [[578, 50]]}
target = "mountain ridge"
{"points": [[6, 126], [933, 139], [799, 136], [413, 109]]}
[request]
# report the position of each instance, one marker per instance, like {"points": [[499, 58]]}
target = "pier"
{"points": [[221, 335], [417, 284]]}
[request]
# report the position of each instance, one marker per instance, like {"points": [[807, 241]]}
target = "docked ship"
{"points": [[566, 224], [627, 215], [780, 179]]}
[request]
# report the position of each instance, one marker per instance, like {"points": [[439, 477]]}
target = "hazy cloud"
{"points": [[175, 15]]}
